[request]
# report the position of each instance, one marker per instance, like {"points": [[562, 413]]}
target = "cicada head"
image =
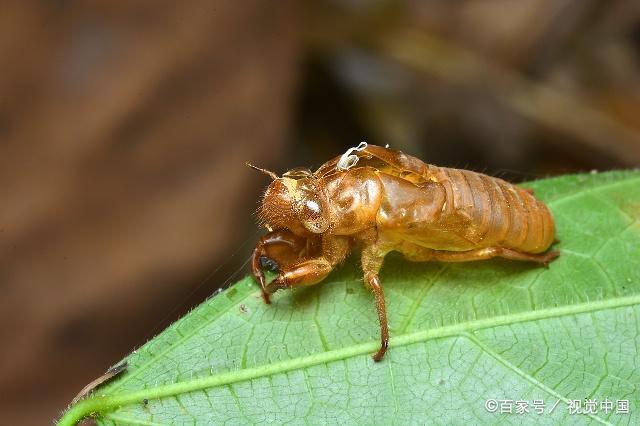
{"points": [[295, 202]]}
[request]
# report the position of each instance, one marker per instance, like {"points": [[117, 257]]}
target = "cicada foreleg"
{"points": [[276, 249], [302, 274], [332, 251]]}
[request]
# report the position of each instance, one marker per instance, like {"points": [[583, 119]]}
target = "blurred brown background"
{"points": [[124, 127]]}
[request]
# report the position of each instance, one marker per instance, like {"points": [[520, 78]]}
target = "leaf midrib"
{"points": [[171, 347], [104, 402]]}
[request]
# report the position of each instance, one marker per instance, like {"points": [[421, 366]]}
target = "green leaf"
{"points": [[461, 334]]}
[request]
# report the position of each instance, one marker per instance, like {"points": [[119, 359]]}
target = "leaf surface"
{"points": [[461, 334]]}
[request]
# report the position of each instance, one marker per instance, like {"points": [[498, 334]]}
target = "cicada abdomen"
{"points": [[499, 213]]}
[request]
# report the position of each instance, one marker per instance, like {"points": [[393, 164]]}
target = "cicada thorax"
{"points": [[354, 199], [497, 213], [439, 208]]}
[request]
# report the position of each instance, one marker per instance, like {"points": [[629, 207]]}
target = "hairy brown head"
{"points": [[296, 204], [276, 210]]}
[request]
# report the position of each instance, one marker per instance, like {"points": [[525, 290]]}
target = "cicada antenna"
{"points": [[265, 171]]}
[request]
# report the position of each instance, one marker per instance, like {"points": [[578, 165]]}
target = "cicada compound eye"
{"points": [[314, 216], [311, 208]]}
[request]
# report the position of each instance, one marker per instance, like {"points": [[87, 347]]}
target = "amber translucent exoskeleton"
{"points": [[383, 200]]}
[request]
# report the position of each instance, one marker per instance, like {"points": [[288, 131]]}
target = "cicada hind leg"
{"points": [[417, 253], [490, 252]]}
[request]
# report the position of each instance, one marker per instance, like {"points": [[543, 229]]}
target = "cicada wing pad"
{"points": [[385, 160]]}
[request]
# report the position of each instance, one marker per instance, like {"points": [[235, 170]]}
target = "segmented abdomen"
{"points": [[500, 214]]}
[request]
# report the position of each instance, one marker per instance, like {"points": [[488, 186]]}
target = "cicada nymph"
{"points": [[383, 200]]}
